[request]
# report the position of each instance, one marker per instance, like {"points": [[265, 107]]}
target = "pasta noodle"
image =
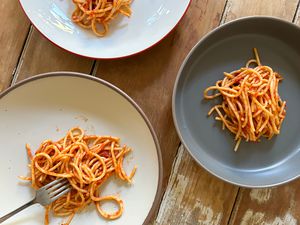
{"points": [[251, 106], [87, 161], [90, 14]]}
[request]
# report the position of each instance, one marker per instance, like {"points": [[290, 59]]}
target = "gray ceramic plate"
{"points": [[229, 47]]}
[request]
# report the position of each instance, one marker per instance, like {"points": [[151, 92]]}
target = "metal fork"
{"points": [[44, 196]]}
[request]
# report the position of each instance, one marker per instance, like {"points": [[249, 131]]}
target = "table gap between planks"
{"points": [[191, 195]]}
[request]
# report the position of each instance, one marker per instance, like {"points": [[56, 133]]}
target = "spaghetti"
{"points": [[87, 161], [93, 14], [251, 107]]}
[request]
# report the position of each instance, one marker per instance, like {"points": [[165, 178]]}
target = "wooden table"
{"points": [[191, 195]]}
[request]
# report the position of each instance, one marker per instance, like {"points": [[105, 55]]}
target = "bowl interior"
{"points": [[45, 108], [224, 50]]}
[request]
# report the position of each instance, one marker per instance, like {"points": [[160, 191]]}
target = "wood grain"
{"points": [[284, 9], [14, 28], [40, 56], [194, 196], [270, 206]]}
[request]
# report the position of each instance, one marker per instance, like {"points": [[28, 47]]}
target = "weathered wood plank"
{"points": [[41, 56], [268, 206], [284, 9], [194, 196], [14, 29]]}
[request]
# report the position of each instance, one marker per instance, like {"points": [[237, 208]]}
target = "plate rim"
{"points": [[107, 58], [179, 75], [158, 194]]}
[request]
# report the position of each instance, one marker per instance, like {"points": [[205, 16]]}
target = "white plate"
{"points": [[150, 22], [45, 107]]}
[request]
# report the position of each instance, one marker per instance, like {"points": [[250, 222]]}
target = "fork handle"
{"points": [[3, 218]]}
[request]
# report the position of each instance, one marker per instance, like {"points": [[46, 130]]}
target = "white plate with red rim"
{"points": [[46, 107], [150, 22]]}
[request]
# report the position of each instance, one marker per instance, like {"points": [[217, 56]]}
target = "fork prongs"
{"points": [[57, 185], [51, 184], [57, 191], [60, 192]]}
